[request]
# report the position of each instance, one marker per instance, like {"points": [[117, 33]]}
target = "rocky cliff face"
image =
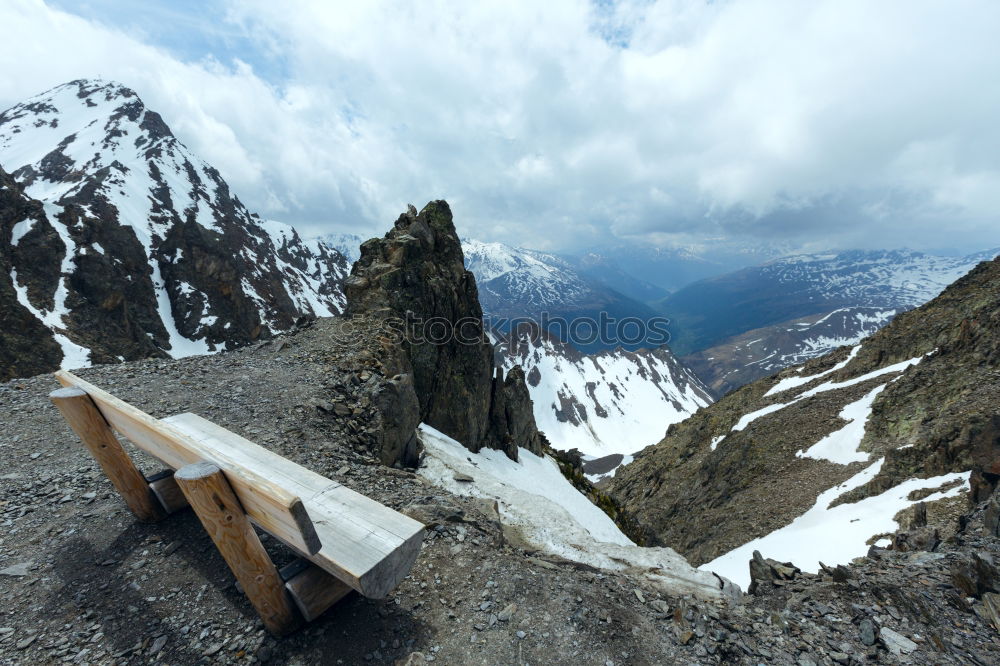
{"points": [[907, 414], [415, 280], [123, 245]]}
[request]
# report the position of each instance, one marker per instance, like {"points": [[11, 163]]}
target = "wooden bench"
{"points": [[347, 540]]}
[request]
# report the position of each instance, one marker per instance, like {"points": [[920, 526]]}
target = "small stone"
{"points": [[660, 606], [896, 643], [521, 635], [463, 478], [638, 595], [158, 645], [212, 650], [25, 642], [507, 613], [869, 632], [413, 659], [17, 569]]}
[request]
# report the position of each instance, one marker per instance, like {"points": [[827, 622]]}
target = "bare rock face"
{"points": [[26, 347], [415, 280]]}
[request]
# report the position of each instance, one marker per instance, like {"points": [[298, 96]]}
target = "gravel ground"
{"points": [[84, 583]]}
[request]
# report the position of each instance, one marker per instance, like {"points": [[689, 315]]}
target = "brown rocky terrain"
{"points": [[935, 417]]}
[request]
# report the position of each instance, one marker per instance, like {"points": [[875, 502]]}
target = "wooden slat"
{"points": [[312, 589], [213, 500], [269, 505], [169, 493], [364, 543]]}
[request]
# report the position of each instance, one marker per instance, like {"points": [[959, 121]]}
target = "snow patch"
{"points": [[534, 498], [793, 382], [20, 230], [834, 535], [841, 446]]}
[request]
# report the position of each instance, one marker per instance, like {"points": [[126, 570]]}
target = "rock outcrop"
{"points": [[415, 280]]}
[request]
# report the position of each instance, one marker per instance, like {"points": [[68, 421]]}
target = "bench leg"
{"points": [[87, 421], [209, 494]]}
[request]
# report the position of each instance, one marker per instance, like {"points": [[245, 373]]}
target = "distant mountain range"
{"points": [[750, 323], [516, 283]]}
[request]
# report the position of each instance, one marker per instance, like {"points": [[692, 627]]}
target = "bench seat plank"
{"points": [[270, 506], [364, 543]]}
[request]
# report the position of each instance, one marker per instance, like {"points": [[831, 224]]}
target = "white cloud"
{"points": [[552, 124]]}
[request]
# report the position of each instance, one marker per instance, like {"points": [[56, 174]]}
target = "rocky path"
{"points": [[84, 583]]}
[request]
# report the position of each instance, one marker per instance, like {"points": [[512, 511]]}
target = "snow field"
{"points": [[533, 497]]}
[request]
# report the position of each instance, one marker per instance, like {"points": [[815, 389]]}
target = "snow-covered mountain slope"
{"points": [[711, 311], [611, 402], [764, 351], [131, 246], [348, 245], [515, 283], [822, 460], [535, 501]]}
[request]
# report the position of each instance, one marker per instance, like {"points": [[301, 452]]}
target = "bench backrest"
{"points": [[360, 541]]}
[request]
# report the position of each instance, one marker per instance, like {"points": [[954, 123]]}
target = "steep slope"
{"points": [[611, 402], [904, 416], [134, 247], [764, 351], [515, 283], [709, 312]]}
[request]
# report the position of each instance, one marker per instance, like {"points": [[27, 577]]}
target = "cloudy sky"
{"points": [[567, 123]]}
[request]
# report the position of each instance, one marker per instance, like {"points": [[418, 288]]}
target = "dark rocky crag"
{"points": [[415, 277], [939, 416]]}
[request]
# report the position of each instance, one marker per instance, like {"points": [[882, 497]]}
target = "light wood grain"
{"points": [[220, 512], [314, 590], [364, 543], [269, 505], [87, 422]]}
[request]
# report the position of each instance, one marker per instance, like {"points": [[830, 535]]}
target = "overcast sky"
{"points": [[565, 124]]}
